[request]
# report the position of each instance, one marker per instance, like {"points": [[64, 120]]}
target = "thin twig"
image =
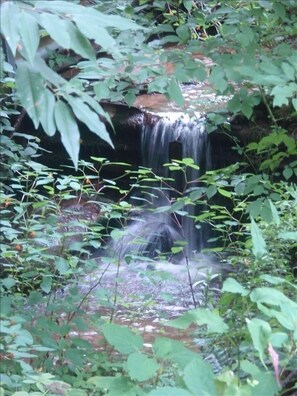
{"points": [[87, 294], [190, 282]]}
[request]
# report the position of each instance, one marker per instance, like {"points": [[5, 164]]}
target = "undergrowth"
{"points": [[51, 227]]}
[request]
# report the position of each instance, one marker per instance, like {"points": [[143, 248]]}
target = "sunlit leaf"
{"points": [[232, 286], [58, 6], [10, 16], [29, 31], [260, 332], [274, 213], [199, 378], [141, 367], [266, 385], [57, 28], [269, 296], [200, 316], [122, 338]]}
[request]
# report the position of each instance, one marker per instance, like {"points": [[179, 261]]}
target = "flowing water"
{"points": [[170, 140], [134, 284], [157, 230]]}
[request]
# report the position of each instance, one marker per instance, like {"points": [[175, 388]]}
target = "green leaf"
{"points": [[200, 316], [115, 386], [96, 107], [85, 114], [79, 43], [130, 98], [57, 28], [29, 31], [274, 213], [8, 283], [62, 265], [288, 173], [68, 129], [274, 280], [183, 32], [234, 104], [141, 367], [250, 368], [95, 17], [225, 193], [265, 4], [169, 391], [269, 296], [174, 92], [122, 338], [95, 32], [47, 114], [260, 332], [247, 108], [101, 90], [30, 89], [47, 73], [286, 316], [217, 78], [232, 286], [10, 16], [5, 305], [267, 385], [173, 351], [211, 191], [282, 94], [199, 378], [288, 70], [259, 245], [280, 10], [46, 284], [23, 338], [246, 36], [58, 6], [289, 235], [76, 356]]}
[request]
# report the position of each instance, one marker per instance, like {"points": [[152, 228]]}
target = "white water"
{"points": [[156, 231], [193, 142]]}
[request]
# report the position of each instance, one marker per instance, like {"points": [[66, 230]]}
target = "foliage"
{"points": [[49, 99], [251, 206], [33, 335]]}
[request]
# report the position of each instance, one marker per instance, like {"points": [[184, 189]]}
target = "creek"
{"points": [[134, 285]]}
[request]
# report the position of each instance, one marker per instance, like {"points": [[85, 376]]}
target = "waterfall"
{"points": [[171, 140], [154, 231]]}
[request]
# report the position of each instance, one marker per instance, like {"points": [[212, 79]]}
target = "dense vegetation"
{"points": [[120, 50]]}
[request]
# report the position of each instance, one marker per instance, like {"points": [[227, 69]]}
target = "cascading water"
{"points": [[176, 139], [152, 232]]}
